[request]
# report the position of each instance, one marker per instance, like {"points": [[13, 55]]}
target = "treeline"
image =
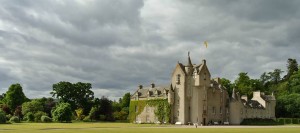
{"points": [[286, 88], [70, 101]]}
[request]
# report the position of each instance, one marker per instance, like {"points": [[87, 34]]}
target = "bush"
{"points": [[260, 122], [288, 121], [38, 115], [2, 117], [14, 119], [280, 120], [46, 119], [87, 119], [62, 112], [295, 121], [8, 117], [29, 117]]}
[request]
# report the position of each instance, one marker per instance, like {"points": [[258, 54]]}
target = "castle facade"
{"points": [[195, 97]]}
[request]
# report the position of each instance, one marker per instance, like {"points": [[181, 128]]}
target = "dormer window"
{"points": [[178, 79], [195, 74]]}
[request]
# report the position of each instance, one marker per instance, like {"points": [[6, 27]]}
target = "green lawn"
{"points": [[131, 128]]}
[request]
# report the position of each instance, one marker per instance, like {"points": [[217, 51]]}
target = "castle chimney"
{"points": [[245, 97], [203, 62], [152, 85], [140, 86]]}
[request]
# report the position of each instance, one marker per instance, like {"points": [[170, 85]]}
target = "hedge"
{"points": [[257, 121], [288, 120]]}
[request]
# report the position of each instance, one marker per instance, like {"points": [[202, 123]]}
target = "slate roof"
{"points": [[252, 104], [152, 92], [268, 97]]}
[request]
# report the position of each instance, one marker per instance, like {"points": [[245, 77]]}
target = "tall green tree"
{"points": [[276, 76], [78, 95], [228, 85], [15, 97], [292, 66], [106, 108], [288, 105], [294, 83], [126, 100], [243, 84]]}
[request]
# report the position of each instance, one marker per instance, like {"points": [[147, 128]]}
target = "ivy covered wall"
{"points": [[162, 109]]}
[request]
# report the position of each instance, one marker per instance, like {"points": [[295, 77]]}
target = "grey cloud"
{"points": [[116, 45]]}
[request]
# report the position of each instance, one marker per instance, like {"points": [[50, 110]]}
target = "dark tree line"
{"points": [[71, 101]]}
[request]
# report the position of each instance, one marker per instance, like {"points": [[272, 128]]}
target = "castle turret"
{"points": [[189, 66]]}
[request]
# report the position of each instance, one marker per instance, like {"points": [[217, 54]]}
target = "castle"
{"points": [[194, 97]]}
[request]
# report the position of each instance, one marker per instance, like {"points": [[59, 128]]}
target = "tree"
{"points": [[126, 100], [106, 108], [15, 97], [38, 115], [5, 108], [243, 84], [227, 84], [265, 78], [288, 106], [78, 95], [2, 117], [62, 112], [294, 83], [18, 112], [275, 76], [79, 114], [93, 113], [32, 106], [49, 104], [292, 66]]}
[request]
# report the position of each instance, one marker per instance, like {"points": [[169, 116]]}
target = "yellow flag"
{"points": [[205, 44]]}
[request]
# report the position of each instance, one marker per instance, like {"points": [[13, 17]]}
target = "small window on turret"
{"points": [[178, 79], [204, 76]]}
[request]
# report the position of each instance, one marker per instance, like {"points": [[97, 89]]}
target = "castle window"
{"points": [[221, 97], [178, 79], [195, 74], [213, 110], [204, 76], [221, 110], [147, 119], [178, 113]]}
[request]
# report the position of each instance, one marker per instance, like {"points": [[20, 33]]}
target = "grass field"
{"points": [[135, 128]]}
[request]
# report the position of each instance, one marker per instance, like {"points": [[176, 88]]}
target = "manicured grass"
{"points": [[133, 128]]}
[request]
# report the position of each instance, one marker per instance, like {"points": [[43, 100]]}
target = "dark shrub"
{"points": [[2, 117]]}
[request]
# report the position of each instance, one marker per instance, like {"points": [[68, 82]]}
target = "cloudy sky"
{"points": [[118, 44]]}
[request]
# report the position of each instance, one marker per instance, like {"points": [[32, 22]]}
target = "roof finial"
{"points": [[189, 60]]}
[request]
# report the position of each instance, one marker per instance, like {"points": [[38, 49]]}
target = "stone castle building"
{"points": [[197, 98]]}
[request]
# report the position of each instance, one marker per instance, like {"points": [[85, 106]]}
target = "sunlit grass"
{"points": [[132, 128]]}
